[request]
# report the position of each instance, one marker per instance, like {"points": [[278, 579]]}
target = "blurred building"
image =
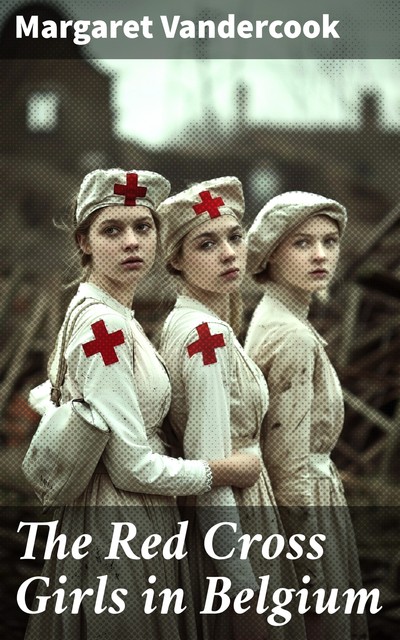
{"points": [[358, 166], [56, 124]]}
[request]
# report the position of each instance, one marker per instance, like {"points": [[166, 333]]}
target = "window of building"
{"points": [[42, 111]]}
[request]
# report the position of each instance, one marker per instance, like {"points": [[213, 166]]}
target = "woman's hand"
{"points": [[239, 470]]}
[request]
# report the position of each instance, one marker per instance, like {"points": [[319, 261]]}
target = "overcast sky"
{"points": [[154, 99], [295, 91]]}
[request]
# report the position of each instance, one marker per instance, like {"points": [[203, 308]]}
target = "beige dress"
{"points": [[219, 399], [302, 426], [124, 380]]}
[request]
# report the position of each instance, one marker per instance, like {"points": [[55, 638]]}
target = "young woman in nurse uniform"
{"points": [[219, 396], [293, 250], [116, 370]]}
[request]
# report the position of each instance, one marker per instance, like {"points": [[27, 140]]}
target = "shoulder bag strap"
{"points": [[66, 335]]}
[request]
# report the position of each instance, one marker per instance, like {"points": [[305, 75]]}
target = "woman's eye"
{"points": [[111, 231], [301, 243], [331, 242], [208, 244], [144, 227], [237, 238]]}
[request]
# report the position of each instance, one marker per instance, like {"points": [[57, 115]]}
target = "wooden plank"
{"points": [[29, 330], [371, 414], [11, 288]]}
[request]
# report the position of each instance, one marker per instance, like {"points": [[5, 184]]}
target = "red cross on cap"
{"points": [[208, 205], [104, 343], [206, 344], [130, 190]]}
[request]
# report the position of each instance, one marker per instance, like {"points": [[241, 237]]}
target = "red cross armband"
{"points": [[104, 343], [206, 344]]}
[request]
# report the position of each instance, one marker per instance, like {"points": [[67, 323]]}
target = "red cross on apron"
{"points": [[206, 344], [208, 205], [104, 343], [130, 190]]}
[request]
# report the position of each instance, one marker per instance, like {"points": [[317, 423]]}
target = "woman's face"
{"points": [[307, 258], [213, 257], [122, 244]]}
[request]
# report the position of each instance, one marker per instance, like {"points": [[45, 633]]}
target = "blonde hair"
{"points": [[79, 231]]}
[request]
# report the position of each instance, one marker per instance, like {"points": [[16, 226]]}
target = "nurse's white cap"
{"points": [[280, 216], [109, 187], [189, 209]]}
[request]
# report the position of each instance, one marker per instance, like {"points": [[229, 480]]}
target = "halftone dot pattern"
{"points": [[303, 422], [105, 188], [284, 214], [218, 404], [356, 166], [191, 208]]}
